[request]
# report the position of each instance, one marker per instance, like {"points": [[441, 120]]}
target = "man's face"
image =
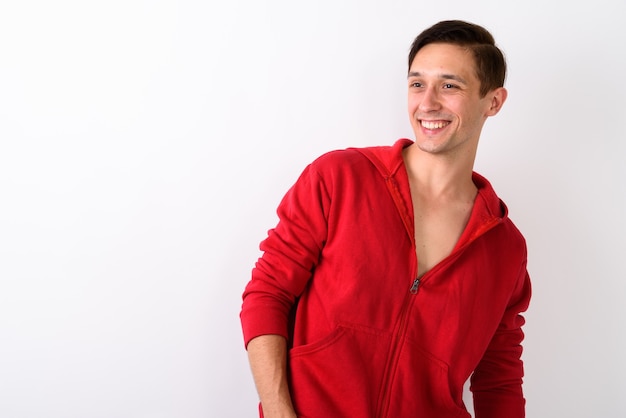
{"points": [[444, 104]]}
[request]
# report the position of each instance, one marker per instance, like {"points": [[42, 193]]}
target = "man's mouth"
{"points": [[434, 124]]}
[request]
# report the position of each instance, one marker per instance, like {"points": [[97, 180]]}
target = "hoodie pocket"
{"points": [[339, 375]]}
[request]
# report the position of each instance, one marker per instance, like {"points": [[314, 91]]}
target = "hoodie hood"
{"points": [[488, 211], [389, 162]]}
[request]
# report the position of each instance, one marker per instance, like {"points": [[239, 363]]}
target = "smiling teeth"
{"points": [[433, 125]]}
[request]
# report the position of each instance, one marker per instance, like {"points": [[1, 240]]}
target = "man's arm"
{"points": [[497, 381], [268, 360], [290, 253]]}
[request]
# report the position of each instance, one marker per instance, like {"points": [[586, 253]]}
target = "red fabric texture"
{"points": [[335, 279]]}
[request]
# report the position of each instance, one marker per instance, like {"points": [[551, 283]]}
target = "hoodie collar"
{"points": [[488, 209], [388, 160]]}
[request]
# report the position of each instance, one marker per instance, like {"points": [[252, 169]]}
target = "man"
{"points": [[394, 274]]}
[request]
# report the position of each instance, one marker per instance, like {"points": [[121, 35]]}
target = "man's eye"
{"points": [[448, 86], [416, 84]]}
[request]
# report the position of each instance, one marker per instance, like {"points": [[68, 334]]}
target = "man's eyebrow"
{"points": [[441, 76]]}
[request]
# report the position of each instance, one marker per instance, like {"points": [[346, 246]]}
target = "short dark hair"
{"points": [[489, 59]]}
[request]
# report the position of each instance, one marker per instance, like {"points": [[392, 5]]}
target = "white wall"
{"points": [[144, 147]]}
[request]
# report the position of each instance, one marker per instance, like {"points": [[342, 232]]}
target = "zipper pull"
{"points": [[415, 285]]}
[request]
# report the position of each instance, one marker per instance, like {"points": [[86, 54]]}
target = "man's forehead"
{"points": [[443, 59]]}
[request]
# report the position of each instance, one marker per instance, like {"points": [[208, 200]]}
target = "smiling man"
{"points": [[394, 274]]}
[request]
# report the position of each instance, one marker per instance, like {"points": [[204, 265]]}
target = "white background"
{"points": [[144, 146]]}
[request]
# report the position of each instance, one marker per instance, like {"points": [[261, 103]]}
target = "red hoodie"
{"points": [[337, 278]]}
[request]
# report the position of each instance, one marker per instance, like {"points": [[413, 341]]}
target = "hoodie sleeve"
{"points": [[497, 381], [290, 253]]}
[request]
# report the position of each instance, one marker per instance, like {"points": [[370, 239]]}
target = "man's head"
{"points": [[489, 60]]}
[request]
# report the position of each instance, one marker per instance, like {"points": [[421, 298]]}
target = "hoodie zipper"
{"points": [[384, 398], [400, 331], [396, 344], [399, 335]]}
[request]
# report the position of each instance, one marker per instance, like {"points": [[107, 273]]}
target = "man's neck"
{"points": [[440, 176]]}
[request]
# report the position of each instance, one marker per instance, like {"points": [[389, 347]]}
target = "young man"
{"points": [[394, 274]]}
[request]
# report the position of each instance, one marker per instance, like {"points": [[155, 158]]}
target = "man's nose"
{"points": [[430, 100]]}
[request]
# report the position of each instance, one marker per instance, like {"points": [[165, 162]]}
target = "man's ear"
{"points": [[497, 98]]}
